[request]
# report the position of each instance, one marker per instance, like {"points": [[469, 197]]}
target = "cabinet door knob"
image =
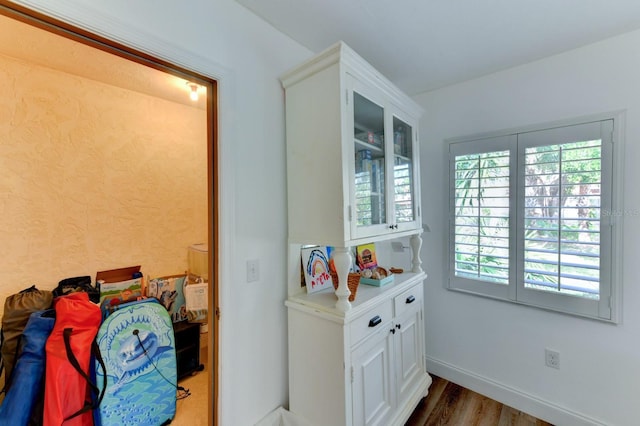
{"points": [[398, 326], [410, 299], [393, 331], [375, 321]]}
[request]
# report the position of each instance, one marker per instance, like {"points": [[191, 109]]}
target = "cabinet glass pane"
{"points": [[368, 142], [403, 171]]}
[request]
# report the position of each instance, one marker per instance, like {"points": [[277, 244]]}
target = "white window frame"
{"points": [[608, 307]]}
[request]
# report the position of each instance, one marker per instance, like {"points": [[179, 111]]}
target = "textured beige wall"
{"points": [[94, 177]]}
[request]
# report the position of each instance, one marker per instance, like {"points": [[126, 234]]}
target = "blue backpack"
{"points": [[137, 344], [25, 384]]}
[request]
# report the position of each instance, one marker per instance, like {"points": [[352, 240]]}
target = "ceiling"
{"points": [[422, 45], [37, 46]]}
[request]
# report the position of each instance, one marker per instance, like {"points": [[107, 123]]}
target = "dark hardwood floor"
{"points": [[452, 405]]}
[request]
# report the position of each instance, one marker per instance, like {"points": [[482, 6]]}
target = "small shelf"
{"points": [[402, 157], [367, 145], [187, 338]]}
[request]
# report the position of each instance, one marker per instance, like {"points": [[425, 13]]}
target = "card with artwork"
{"points": [[315, 265], [366, 256]]}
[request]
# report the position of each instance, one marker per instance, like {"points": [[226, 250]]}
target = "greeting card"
{"points": [[315, 264]]}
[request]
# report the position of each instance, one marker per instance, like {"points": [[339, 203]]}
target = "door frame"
{"points": [[44, 21]]}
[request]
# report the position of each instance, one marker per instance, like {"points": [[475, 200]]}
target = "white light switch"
{"points": [[253, 270]]}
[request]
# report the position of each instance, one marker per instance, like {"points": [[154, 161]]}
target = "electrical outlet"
{"points": [[552, 358], [253, 270]]}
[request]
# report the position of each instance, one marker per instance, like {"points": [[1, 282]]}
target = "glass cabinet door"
{"points": [[403, 177], [369, 148]]}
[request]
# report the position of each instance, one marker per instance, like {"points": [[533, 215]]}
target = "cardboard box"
{"points": [[120, 285], [116, 275]]}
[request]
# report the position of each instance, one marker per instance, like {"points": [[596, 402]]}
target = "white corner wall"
{"points": [[221, 39], [495, 347]]}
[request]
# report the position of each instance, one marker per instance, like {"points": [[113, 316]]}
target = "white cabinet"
{"points": [[362, 367], [353, 178], [373, 393], [352, 152], [352, 158], [384, 195], [409, 341]]}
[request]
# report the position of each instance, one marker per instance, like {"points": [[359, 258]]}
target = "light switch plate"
{"points": [[253, 270]]}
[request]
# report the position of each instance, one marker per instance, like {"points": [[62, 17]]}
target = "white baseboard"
{"points": [[542, 409]]}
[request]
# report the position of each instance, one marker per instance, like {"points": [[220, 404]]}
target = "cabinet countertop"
{"points": [[367, 296]]}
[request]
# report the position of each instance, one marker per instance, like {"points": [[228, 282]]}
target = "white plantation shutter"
{"points": [[482, 216], [363, 198], [557, 259], [564, 248], [527, 218], [480, 230], [403, 197]]}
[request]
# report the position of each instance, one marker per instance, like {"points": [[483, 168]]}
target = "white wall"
{"points": [[497, 347], [221, 39]]}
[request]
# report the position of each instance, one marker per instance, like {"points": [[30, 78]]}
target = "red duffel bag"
{"points": [[68, 390]]}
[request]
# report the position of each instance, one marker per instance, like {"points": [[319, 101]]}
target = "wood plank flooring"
{"points": [[451, 405]]}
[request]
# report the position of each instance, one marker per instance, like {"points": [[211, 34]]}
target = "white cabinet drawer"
{"points": [[408, 299], [371, 321]]}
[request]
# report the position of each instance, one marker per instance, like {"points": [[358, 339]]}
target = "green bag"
{"points": [[17, 309]]}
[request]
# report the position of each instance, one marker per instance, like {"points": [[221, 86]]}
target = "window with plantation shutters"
{"points": [[528, 218], [562, 186], [482, 216]]}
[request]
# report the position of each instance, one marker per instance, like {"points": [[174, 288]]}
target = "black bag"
{"points": [[71, 285], [17, 310]]}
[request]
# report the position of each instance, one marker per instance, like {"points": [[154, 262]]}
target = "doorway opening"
{"points": [[146, 81]]}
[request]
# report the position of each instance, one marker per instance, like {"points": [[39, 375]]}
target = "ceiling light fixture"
{"points": [[194, 91]]}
